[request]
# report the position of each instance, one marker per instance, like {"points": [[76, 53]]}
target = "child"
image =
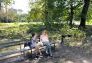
{"points": [[36, 44]]}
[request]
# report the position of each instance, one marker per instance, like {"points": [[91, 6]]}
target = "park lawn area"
{"points": [[6, 25], [89, 22], [18, 29], [16, 24], [15, 31]]}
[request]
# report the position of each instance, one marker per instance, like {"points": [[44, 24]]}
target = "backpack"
{"points": [[28, 43]]}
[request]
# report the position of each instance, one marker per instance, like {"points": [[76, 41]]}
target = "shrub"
{"points": [[75, 32]]}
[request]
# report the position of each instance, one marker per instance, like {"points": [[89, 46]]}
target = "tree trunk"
{"points": [[46, 15], [84, 13], [6, 13], [0, 10], [46, 20], [71, 14], [0, 4]]}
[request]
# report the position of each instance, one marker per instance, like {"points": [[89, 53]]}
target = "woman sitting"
{"points": [[45, 40]]}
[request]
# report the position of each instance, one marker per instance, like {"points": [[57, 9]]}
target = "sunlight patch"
{"points": [[69, 62], [85, 61]]}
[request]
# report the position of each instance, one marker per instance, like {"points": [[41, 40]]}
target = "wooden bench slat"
{"points": [[18, 52]]}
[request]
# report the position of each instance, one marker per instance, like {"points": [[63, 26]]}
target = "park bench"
{"points": [[16, 53], [63, 36], [13, 53], [23, 51], [31, 50]]}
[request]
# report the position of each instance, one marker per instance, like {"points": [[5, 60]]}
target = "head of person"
{"points": [[45, 32], [33, 34]]}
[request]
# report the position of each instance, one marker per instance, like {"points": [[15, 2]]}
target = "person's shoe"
{"points": [[47, 52], [51, 55], [35, 58], [40, 56]]}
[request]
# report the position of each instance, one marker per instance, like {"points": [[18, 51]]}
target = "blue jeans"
{"points": [[48, 48]]}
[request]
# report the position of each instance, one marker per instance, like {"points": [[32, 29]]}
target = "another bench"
{"points": [[63, 36]]}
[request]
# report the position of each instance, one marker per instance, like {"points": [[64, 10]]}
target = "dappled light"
{"points": [[69, 62], [85, 61], [45, 31]]}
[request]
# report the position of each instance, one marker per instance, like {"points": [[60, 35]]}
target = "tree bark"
{"points": [[0, 10], [71, 14], [0, 4], [84, 13], [46, 15], [6, 12]]}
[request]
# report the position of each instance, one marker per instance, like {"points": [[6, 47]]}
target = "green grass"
{"points": [[18, 29], [17, 24], [89, 22]]}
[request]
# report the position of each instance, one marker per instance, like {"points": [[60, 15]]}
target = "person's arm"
{"points": [[40, 38]]}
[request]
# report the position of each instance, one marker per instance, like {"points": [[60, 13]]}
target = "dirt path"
{"points": [[69, 55], [66, 54]]}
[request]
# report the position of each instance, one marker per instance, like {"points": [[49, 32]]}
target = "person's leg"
{"points": [[46, 49], [39, 46], [49, 49], [39, 50], [36, 49]]}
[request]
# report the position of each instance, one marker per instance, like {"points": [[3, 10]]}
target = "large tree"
{"points": [[72, 7], [84, 13], [0, 8], [0, 4], [6, 3], [56, 11]]}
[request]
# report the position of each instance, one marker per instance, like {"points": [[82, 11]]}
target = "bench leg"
{"points": [[62, 41], [54, 46]]}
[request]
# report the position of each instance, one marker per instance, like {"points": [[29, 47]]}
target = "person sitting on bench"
{"points": [[34, 44], [45, 40]]}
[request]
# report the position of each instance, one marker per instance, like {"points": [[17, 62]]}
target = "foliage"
{"points": [[89, 15], [36, 12], [75, 32], [50, 11], [77, 36], [89, 22], [7, 14], [14, 32], [19, 30], [11, 31], [7, 2]]}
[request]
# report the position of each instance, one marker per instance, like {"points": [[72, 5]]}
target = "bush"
{"points": [[77, 36], [75, 32], [14, 32], [18, 30]]}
